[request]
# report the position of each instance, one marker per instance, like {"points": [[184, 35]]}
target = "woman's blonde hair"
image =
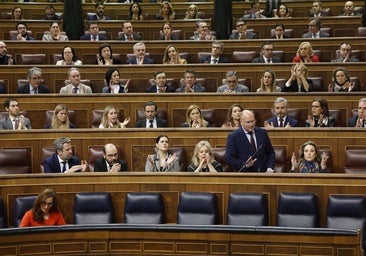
{"points": [[166, 54], [55, 122], [273, 85], [307, 45], [203, 123], [192, 6], [199, 145], [104, 121]]}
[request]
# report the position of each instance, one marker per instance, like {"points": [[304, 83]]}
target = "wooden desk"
{"points": [[177, 240]]}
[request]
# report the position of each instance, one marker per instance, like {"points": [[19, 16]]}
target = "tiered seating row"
{"points": [[120, 11], [346, 26], [87, 52], [55, 76], [136, 144]]}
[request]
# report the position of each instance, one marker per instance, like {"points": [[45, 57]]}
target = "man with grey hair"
{"points": [[35, 85], [139, 55], [203, 32], [63, 160], [359, 120], [281, 119], [216, 57], [232, 85], [75, 87]]}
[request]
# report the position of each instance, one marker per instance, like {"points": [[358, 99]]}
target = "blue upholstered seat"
{"points": [[21, 205]]}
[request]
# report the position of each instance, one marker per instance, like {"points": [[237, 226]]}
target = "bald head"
{"points": [[247, 120]]}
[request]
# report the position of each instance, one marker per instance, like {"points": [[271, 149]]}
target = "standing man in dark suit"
{"points": [[93, 34], [139, 58], [359, 120], [14, 121], [34, 85], [63, 161], [190, 83], [110, 162], [128, 34], [150, 120], [314, 29], [266, 55], [242, 32], [249, 149], [281, 119], [160, 85], [217, 49]]}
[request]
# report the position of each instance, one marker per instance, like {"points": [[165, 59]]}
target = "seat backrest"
{"points": [[247, 209], [181, 153], [144, 208], [243, 57], [327, 30], [21, 205], [35, 58], [2, 214], [209, 115], [93, 208], [289, 32], [49, 114], [14, 33], [219, 155], [202, 55], [355, 160], [197, 208], [339, 116], [361, 31], [281, 161], [15, 160], [318, 84], [3, 87], [348, 212], [56, 57], [298, 210], [176, 32]]}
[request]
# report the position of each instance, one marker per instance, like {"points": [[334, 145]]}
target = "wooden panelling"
{"points": [[176, 240]]}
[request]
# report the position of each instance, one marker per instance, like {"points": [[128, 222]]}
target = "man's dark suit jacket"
{"points": [[101, 166], [260, 59], [248, 35], [136, 37], [208, 60], [87, 37], [238, 151], [134, 61], [25, 89], [288, 120], [159, 122], [352, 121], [52, 165], [153, 89]]}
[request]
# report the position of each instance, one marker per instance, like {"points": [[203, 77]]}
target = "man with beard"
{"points": [[109, 162]]}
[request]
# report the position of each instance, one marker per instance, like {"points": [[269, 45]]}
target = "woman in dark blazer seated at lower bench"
{"points": [[110, 162]]}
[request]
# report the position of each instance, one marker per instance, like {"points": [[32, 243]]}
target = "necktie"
{"points": [[35, 91], [252, 142], [269, 60], [281, 122], [214, 61], [75, 90], [94, 38], [63, 166], [314, 35], [151, 123], [16, 123], [130, 38]]}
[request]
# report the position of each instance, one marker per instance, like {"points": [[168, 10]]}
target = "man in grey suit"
{"points": [[75, 87], [345, 54], [190, 83], [266, 55], [34, 86], [14, 121], [232, 85], [314, 29], [242, 32]]}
